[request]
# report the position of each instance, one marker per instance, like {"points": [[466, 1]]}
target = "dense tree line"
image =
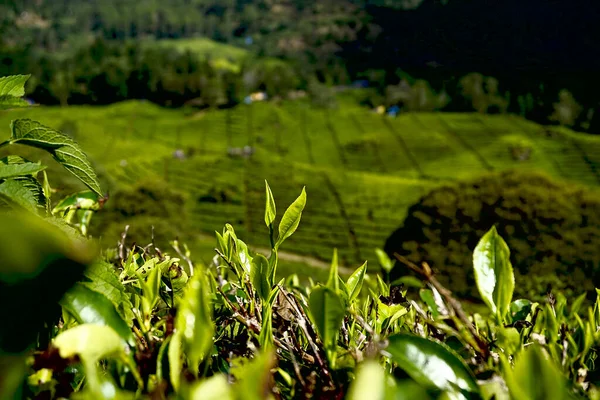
{"points": [[336, 41], [307, 31], [105, 72]]}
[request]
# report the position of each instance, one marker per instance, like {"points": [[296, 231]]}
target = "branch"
{"points": [[426, 272], [122, 249]]}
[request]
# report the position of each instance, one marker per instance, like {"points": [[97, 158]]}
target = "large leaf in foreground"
{"points": [[431, 364], [64, 149], [214, 388], [370, 382], [90, 307], [92, 343], [536, 377], [494, 273], [38, 263]]}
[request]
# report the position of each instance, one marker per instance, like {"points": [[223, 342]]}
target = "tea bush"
{"points": [[150, 203], [552, 229]]}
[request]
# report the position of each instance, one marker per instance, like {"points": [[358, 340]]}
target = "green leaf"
{"points": [[14, 170], [214, 388], [38, 263], [13, 369], [384, 261], [327, 310], [254, 380], [14, 193], [91, 307], [24, 171], [174, 354], [92, 343], [410, 390], [272, 271], [85, 200], [355, 281], [370, 382], [64, 149], [150, 284], [535, 377], [103, 279], [576, 306], [194, 320], [428, 298], [7, 102], [270, 210], [291, 219], [244, 256], [259, 276], [430, 363], [494, 389], [265, 338], [333, 281], [494, 273], [13, 85], [12, 88], [520, 309]]}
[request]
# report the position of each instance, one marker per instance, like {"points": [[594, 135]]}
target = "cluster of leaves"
{"points": [[551, 227], [20, 187]]}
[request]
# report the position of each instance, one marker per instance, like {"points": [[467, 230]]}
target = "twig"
{"points": [[122, 250], [241, 316], [426, 272], [364, 325], [286, 338], [229, 263], [304, 326], [189, 262]]}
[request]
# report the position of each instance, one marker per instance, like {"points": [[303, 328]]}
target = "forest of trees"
{"points": [[549, 76]]}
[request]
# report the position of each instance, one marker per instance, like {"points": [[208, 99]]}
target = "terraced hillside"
{"points": [[362, 171]]}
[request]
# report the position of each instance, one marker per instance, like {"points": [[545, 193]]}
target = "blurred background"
{"points": [[415, 125]]}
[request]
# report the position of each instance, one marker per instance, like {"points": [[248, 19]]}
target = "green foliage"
{"points": [[63, 149], [19, 186], [483, 93], [431, 364], [567, 110], [227, 319], [148, 206], [12, 88], [494, 273], [417, 96], [550, 227], [291, 219]]}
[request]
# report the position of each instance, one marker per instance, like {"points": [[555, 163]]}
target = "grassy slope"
{"points": [[362, 171]]}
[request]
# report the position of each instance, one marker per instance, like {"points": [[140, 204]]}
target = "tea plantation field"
{"points": [[362, 170]]}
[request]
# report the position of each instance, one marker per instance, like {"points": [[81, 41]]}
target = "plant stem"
{"points": [[483, 348]]}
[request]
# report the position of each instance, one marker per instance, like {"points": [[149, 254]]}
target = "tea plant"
{"points": [[166, 327], [139, 323], [19, 186]]}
